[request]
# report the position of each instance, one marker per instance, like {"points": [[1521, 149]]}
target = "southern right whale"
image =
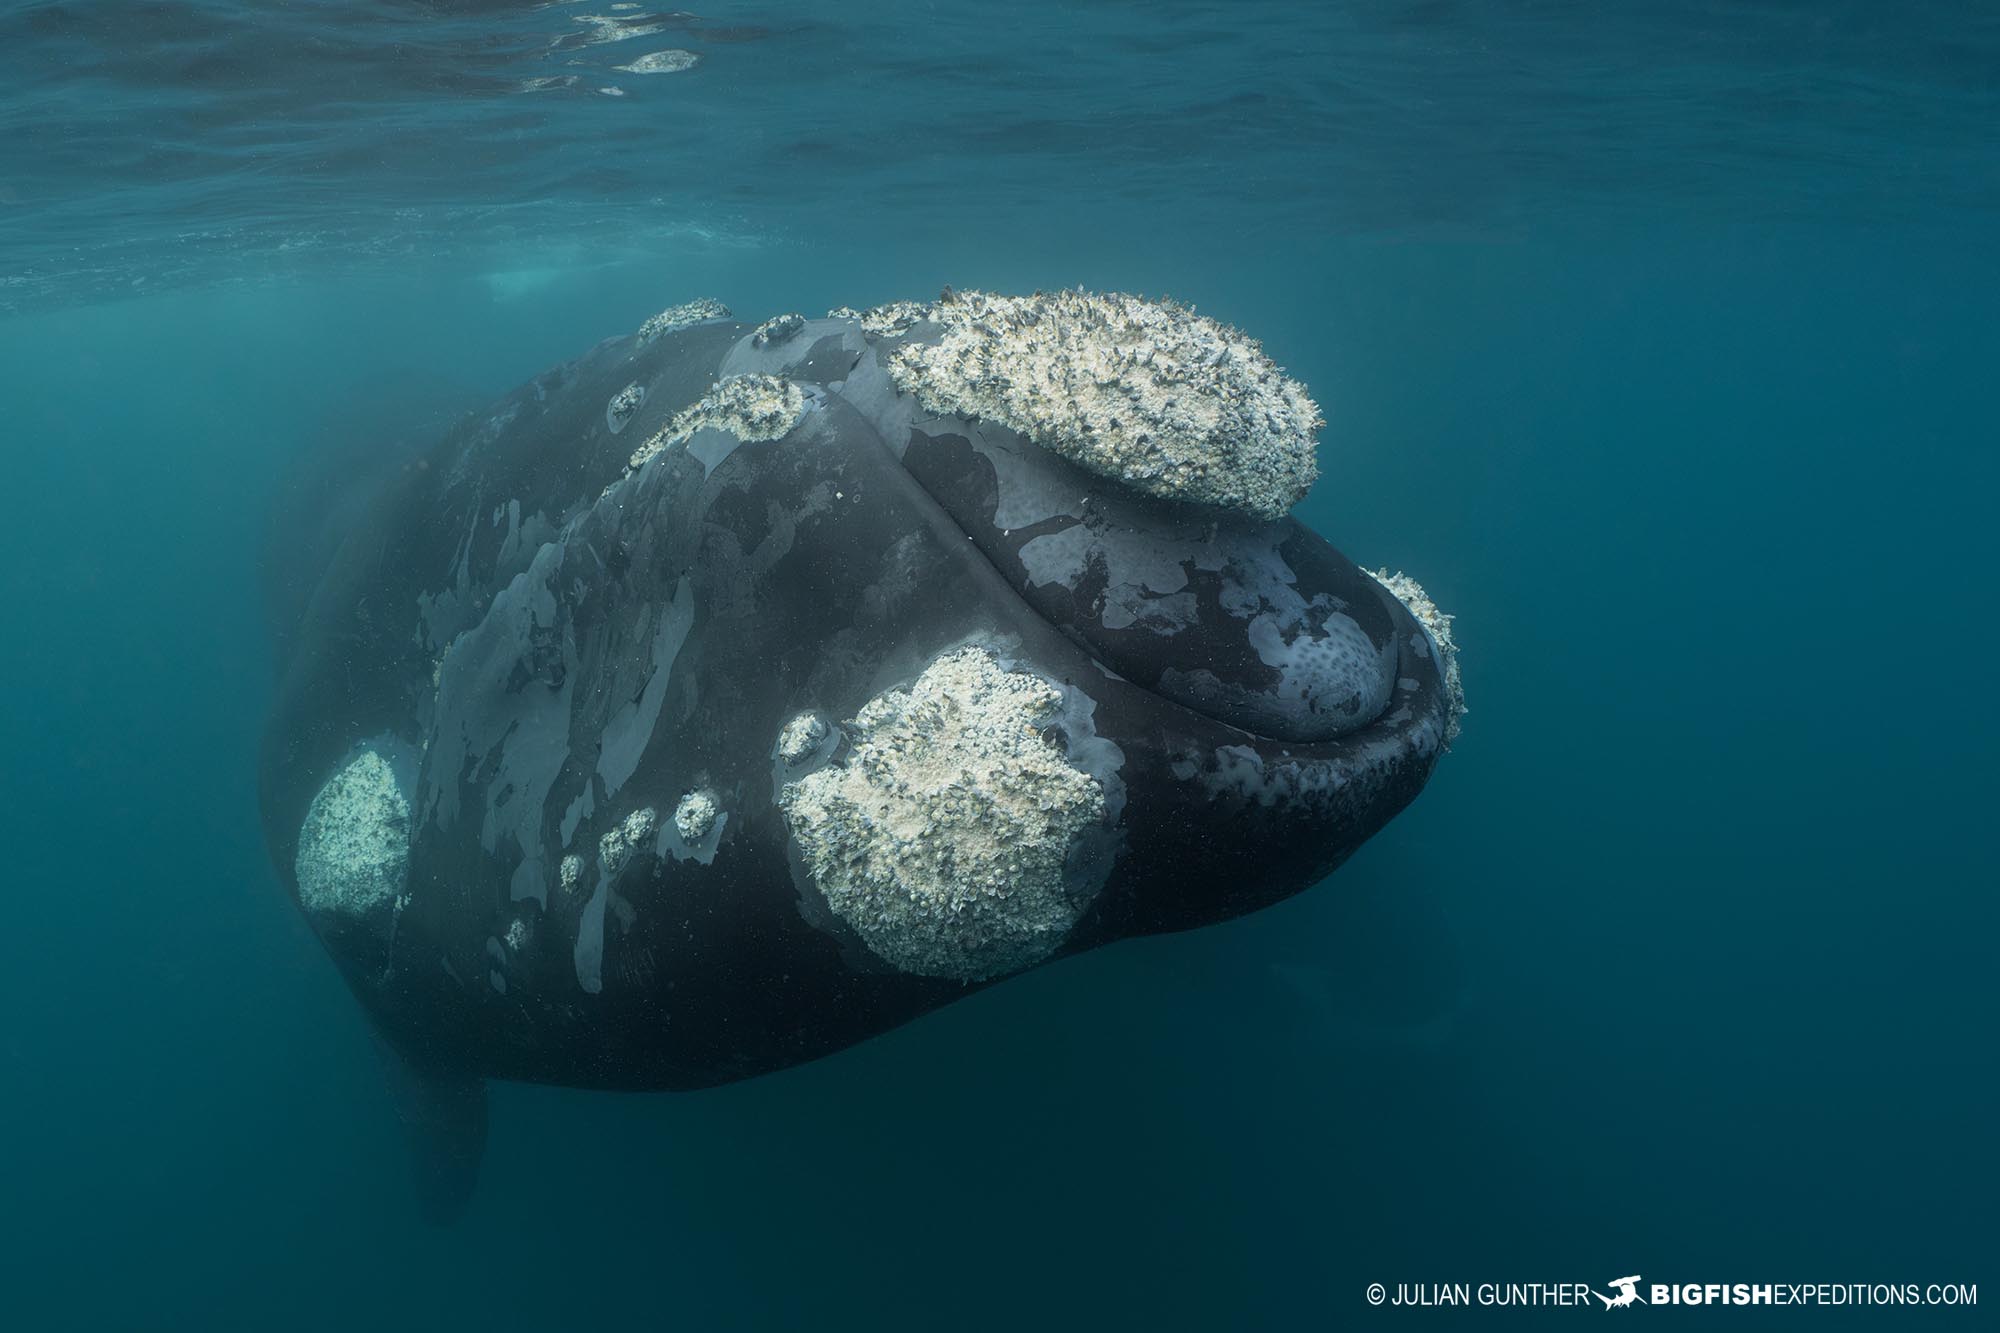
{"points": [[735, 692]]}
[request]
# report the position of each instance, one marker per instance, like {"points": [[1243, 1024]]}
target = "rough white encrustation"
{"points": [[777, 329], [624, 405], [1148, 393], [354, 847], [616, 848], [750, 407], [942, 839], [893, 318], [669, 61], [800, 737], [696, 815], [843, 312], [677, 317], [1438, 625]]}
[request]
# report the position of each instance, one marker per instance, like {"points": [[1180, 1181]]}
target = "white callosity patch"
{"points": [[696, 815], [677, 317], [670, 61], [777, 330], [354, 847], [753, 408], [615, 848], [843, 312], [624, 405], [943, 838], [800, 737], [894, 318], [1438, 625], [1148, 393]]}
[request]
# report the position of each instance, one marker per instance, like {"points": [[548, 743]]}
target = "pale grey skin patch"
{"points": [[532, 740], [950, 836], [579, 810], [1336, 671], [354, 846], [630, 729], [780, 356], [1327, 665]]}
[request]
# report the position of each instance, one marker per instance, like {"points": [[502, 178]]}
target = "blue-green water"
{"points": [[1660, 345]]}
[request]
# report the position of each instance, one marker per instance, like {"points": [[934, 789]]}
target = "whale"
{"points": [[737, 692]]}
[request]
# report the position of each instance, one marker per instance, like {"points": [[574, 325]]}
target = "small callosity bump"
{"points": [[696, 815], [624, 405], [1437, 624], [615, 848], [677, 317], [753, 408], [778, 329], [800, 737]]}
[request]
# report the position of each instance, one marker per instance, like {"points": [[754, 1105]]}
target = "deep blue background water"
{"points": [[1659, 345]]}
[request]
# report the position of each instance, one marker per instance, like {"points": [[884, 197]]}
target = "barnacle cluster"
{"points": [[696, 815], [750, 407], [677, 317], [1148, 393], [1437, 624], [624, 405], [354, 847], [894, 318], [800, 737], [618, 845], [942, 838], [777, 329]]}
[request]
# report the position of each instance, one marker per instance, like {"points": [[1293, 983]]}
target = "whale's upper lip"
{"points": [[1220, 607]]}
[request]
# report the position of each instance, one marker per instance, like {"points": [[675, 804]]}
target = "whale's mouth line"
{"points": [[1212, 612], [1226, 612]]}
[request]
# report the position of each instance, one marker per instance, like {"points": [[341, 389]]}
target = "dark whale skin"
{"points": [[501, 610]]}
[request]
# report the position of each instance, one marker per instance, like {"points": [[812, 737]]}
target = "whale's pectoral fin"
{"points": [[444, 1116]]}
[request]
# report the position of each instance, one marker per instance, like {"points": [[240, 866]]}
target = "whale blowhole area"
{"points": [[353, 858], [942, 836], [753, 408], [1437, 624], [1147, 393]]}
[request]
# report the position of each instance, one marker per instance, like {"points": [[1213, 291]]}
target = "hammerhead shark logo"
{"points": [[1628, 1293]]}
